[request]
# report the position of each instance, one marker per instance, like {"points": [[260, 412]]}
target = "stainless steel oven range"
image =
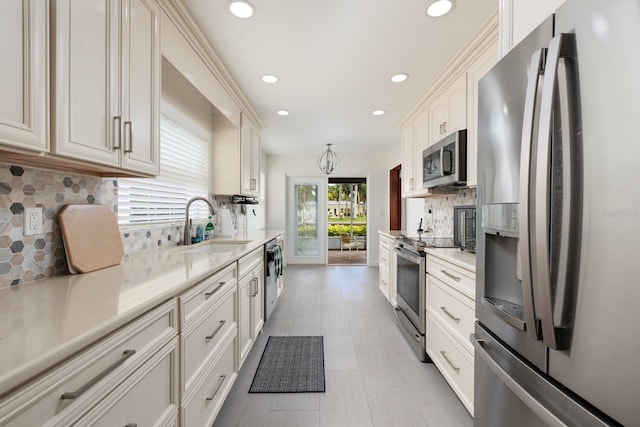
{"points": [[410, 278]]}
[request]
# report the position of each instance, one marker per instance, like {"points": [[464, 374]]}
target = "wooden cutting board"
{"points": [[91, 237]]}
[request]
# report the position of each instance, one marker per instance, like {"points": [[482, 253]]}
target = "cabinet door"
{"points": [[257, 302], [255, 163], [408, 169], [141, 86], [420, 142], [25, 74], [437, 118], [457, 105], [476, 71], [244, 318], [85, 54]]}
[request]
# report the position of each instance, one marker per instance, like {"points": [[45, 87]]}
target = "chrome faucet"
{"points": [[187, 225]]}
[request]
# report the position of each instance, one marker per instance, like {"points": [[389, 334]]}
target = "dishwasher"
{"points": [[273, 274]]}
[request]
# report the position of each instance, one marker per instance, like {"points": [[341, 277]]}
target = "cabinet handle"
{"points": [[208, 295], [128, 142], [255, 284], [440, 128], [444, 354], [455, 319], [444, 127], [131, 425], [222, 322], [222, 378], [253, 184], [75, 394], [117, 132], [446, 273]]}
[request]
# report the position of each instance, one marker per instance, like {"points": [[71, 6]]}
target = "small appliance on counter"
{"points": [[464, 227]]}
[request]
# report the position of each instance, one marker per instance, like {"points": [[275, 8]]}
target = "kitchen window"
{"points": [[184, 164]]}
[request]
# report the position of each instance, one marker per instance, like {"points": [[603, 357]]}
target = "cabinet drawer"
{"points": [[453, 361], [201, 408], [206, 292], [453, 308], [384, 256], [153, 383], [91, 374], [459, 278], [249, 262], [205, 334]]}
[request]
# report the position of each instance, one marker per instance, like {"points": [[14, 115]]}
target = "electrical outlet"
{"points": [[32, 221]]}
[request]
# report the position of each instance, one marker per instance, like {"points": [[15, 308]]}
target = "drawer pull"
{"points": [[446, 273], [222, 322], [131, 425], [444, 354], [210, 294], [222, 378], [455, 319], [75, 394]]}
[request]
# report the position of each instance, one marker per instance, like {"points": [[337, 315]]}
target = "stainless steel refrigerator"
{"points": [[557, 340]]}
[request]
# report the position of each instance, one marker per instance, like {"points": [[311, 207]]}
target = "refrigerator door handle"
{"points": [[555, 337], [543, 413], [527, 183]]}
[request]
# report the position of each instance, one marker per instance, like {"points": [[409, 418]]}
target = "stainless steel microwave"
{"points": [[444, 164]]}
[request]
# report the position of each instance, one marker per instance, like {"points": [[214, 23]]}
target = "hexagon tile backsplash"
{"points": [[27, 258]]}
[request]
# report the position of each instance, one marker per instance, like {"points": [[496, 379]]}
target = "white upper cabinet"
{"points": [[448, 112], [106, 82], [408, 170], [236, 158], [25, 74], [250, 159], [519, 17]]}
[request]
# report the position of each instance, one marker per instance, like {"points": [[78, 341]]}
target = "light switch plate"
{"points": [[32, 221]]}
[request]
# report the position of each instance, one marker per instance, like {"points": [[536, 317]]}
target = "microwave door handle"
{"points": [[442, 161], [553, 294], [527, 184]]}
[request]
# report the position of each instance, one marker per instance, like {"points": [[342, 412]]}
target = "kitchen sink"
{"points": [[214, 248]]}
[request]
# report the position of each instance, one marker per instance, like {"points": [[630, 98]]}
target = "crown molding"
{"points": [[480, 41]]}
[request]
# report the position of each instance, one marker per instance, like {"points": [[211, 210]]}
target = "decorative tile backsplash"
{"points": [[24, 259], [27, 258], [438, 210]]}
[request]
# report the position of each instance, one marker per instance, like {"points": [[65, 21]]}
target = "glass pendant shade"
{"points": [[328, 160]]}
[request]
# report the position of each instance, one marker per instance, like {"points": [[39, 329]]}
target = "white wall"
{"points": [[374, 166]]}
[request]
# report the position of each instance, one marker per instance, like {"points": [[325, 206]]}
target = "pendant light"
{"points": [[328, 160]]}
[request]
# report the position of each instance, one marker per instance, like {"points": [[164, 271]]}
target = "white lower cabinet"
{"points": [[450, 321], [386, 277], [117, 364], [154, 383], [208, 337], [251, 301], [202, 403], [244, 318]]}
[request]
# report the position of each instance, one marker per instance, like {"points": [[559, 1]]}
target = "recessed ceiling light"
{"points": [[270, 78], [241, 8], [438, 8], [282, 112], [378, 112], [399, 78]]}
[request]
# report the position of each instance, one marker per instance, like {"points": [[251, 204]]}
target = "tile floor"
{"points": [[372, 376]]}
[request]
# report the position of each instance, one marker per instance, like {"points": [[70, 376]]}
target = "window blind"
{"points": [[183, 175]]}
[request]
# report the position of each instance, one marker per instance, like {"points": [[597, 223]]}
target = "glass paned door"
{"points": [[306, 222]]}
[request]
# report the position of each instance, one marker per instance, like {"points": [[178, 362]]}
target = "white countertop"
{"points": [[44, 322]]}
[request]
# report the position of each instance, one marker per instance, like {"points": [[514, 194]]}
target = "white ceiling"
{"points": [[334, 59]]}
